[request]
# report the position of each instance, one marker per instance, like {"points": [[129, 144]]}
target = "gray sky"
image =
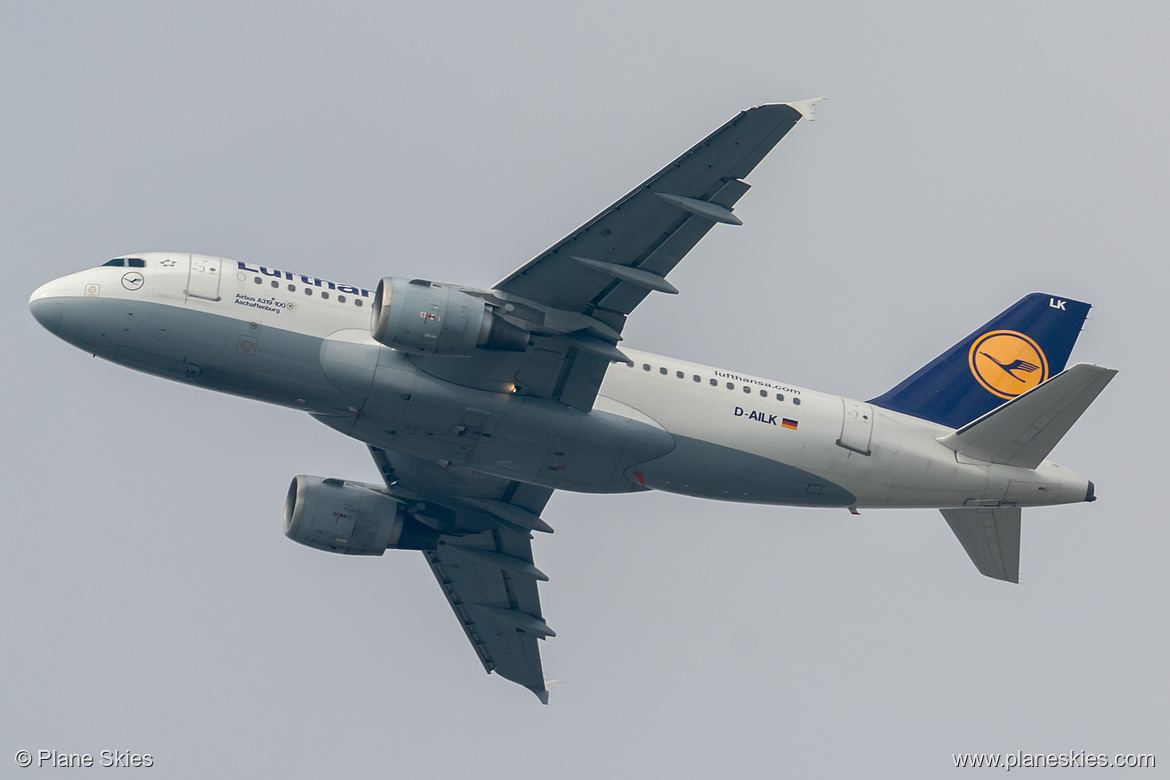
{"points": [[967, 156]]}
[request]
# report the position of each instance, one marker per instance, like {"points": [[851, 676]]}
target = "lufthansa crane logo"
{"points": [[1007, 363]]}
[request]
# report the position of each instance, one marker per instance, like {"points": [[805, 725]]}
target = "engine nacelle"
{"points": [[425, 318], [351, 518]]}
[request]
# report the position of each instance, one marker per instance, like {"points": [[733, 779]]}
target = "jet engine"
{"points": [[421, 317], [351, 518]]}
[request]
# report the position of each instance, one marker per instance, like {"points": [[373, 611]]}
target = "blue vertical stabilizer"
{"points": [[1011, 354]]}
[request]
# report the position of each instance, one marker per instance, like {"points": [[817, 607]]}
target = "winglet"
{"points": [[542, 694], [805, 107]]}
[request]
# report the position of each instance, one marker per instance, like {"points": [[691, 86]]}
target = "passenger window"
{"points": [[680, 375], [780, 397], [275, 283], [292, 288], [746, 389], [341, 299], [730, 386], [308, 291], [258, 280], [714, 383], [662, 371], [763, 393], [796, 402], [645, 366], [357, 301], [697, 378], [325, 295]]}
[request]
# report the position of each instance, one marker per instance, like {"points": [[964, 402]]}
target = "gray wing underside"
{"points": [[580, 291], [498, 610], [648, 230], [485, 568]]}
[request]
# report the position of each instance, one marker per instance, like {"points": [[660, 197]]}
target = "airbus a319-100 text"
{"points": [[477, 404]]}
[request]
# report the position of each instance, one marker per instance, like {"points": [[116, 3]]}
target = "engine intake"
{"points": [[351, 518], [426, 318]]}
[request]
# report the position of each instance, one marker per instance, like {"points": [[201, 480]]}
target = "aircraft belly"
{"points": [[521, 438], [214, 351], [736, 446], [349, 359], [709, 470], [593, 456]]}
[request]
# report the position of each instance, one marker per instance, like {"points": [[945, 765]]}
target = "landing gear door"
{"points": [[856, 426], [203, 278]]}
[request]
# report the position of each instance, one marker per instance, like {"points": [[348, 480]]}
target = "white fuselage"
{"points": [[662, 423]]}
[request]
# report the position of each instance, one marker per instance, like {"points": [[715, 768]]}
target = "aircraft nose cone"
{"points": [[46, 304]]}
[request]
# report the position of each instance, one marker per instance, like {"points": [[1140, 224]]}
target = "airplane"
{"points": [[476, 404]]}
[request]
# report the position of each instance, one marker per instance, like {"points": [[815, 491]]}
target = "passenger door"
{"points": [[856, 426], [203, 278]]}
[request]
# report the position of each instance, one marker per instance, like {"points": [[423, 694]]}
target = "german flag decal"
{"points": [[789, 424]]}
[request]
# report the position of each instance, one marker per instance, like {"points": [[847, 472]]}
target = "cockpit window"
{"points": [[118, 261], [135, 262]]}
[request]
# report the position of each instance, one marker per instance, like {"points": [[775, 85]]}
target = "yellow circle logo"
{"points": [[1007, 363]]}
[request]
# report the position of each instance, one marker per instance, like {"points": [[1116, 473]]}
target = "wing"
{"points": [[484, 565], [575, 296], [611, 263]]}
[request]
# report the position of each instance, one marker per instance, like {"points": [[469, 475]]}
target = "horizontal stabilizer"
{"points": [[1024, 430], [991, 537]]}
